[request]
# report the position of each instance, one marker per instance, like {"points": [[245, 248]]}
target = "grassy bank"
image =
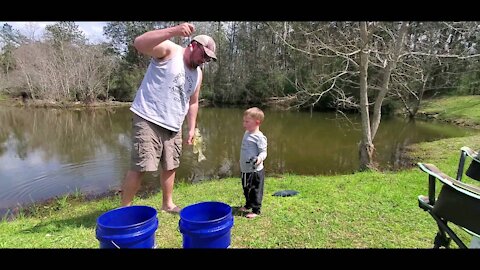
{"points": [[461, 110], [361, 210]]}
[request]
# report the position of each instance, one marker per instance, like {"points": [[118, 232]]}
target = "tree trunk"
{"points": [[384, 87], [366, 147], [416, 105], [366, 150]]}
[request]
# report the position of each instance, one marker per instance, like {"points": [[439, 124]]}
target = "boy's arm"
{"points": [[262, 149]]}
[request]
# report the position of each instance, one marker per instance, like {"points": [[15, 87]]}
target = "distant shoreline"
{"points": [[19, 102]]}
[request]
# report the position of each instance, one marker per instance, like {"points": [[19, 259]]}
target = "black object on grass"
{"points": [[285, 193]]}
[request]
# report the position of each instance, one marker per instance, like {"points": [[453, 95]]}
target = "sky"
{"points": [[93, 30]]}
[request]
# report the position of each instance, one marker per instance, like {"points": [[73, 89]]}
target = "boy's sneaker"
{"points": [[251, 215]]}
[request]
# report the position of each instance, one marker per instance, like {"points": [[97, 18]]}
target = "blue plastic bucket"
{"points": [[206, 225], [127, 227]]}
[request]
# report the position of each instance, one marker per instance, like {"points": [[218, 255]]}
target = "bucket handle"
{"points": [[118, 247]]}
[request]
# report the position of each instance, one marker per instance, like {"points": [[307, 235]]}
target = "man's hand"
{"points": [[191, 134], [185, 29]]}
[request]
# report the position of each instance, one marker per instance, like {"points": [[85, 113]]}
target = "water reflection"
{"points": [[46, 153]]}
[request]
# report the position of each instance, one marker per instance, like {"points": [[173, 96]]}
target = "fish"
{"points": [[198, 145]]}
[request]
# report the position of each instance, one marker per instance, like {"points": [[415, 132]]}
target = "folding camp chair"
{"points": [[457, 202]]}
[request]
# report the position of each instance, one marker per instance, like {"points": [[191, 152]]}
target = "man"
{"points": [[169, 92]]}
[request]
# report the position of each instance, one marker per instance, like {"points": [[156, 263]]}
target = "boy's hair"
{"points": [[255, 113]]}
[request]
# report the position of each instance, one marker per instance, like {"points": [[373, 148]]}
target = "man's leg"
{"points": [[145, 149], [172, 149], [130, 186], [167, 181]]}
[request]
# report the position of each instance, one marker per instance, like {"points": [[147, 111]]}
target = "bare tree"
{"points": [[45, 76], [437, 56], [93, 73], [33, 31], [357, 60], [376, 61]]}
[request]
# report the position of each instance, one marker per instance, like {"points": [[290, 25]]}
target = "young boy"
{"points": [[253, 153]]}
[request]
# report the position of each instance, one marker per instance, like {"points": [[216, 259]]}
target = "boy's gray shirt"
{"points": [[253, 145]]}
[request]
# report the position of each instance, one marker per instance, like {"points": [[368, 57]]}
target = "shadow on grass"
{"points": [[88, 220], [56, 225]]}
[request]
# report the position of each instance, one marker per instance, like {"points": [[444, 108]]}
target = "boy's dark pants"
{"points": [[252, 184]]}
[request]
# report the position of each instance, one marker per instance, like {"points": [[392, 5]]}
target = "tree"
{"points": [[358, 59], [439, 57], [378, 61], [10, 38], [64, 32], [64, 67]]}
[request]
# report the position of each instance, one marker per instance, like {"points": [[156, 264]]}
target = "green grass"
{"points": [[458, 109], [361, 210]]}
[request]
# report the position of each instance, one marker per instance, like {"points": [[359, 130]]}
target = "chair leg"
{"points": [[443, 230], [441, 240]]}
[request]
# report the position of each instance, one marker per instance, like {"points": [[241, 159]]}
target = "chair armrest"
{"points": [[473, 189], [432, 170], [436, 172], [470, 153]]}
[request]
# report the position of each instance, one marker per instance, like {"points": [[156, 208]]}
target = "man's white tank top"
{"points": [[164, 95]]}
